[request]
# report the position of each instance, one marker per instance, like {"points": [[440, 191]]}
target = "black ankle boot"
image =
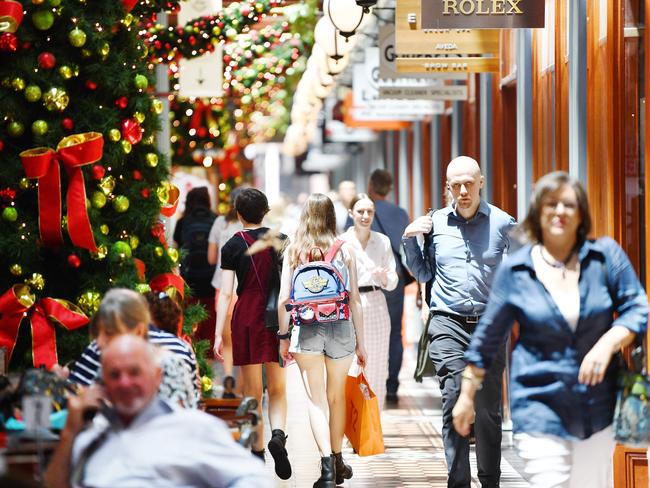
{"points": [[343, 471], [327, 473], [279, 453]]}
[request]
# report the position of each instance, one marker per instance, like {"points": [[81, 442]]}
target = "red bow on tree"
{"points": [[43, 163], [15, 304]]}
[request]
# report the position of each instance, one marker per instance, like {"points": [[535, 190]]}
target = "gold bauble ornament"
{"points": [[86, 53], [149, 140], [89, 302], [18, 83], [159, 251], [156, 106], [128, 20], [173, 254], [134, 242], [38, 2], [64, 223], [107, 184], [98, 199], [126, 146], [36, 281], [101, 253], [16, 269], [151, 160], [114, 135], [163, 192], [77, 37], [206, 384], [142, 288], [65, 71], [56, 99], [104, 49], [23, 184], [139, 116], [222, 208], [104, 229]]}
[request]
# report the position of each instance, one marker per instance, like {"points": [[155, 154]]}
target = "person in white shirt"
{"points": [[375, 271], [139, 439]]}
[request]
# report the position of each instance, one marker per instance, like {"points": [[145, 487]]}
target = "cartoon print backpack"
{"points": [[318, 293]]}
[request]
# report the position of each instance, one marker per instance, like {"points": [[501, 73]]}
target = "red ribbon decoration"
{"points": [[43, 163], [139, 268], [165, 281], [129, 4], [11, 15], [14, 306]]}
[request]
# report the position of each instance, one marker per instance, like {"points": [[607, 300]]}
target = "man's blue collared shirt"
{"points": [[461, 258], [545, 394]]}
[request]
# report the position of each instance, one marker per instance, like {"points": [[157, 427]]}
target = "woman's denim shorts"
{"points": [[336, 340]]}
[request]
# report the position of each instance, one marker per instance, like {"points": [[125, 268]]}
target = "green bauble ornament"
{"points": [[39, 128], [98, 199], [141, 82], [77, 37], [56, 99], [121, 203], [120, 251], [33, 93], [43, 19], [54, 3], [10, 214], [142, 288], [15, 129]]}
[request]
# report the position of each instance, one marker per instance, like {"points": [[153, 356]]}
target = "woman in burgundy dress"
{"points": [[253, 344]]}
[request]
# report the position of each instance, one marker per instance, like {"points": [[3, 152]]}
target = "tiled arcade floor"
{"points": [[414, 456]]}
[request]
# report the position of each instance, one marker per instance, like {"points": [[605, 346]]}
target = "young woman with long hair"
{"points": [[324, 347]]}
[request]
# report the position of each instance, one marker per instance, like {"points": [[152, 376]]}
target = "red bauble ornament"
{"points": [[137, 175], [46, 60], [145, 192], [2, 145], [74, 261], [67, 124], [91, 85], [131, 131], [122, 102], [98, 171], [8, 42]]}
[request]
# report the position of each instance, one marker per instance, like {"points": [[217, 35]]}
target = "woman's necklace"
{"points": [[555, 263]]}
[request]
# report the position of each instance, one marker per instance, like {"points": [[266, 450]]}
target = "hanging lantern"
{"points": [[345, 15], [332, 42]]}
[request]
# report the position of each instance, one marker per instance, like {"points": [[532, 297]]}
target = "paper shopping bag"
{"points": [[362, 423]]}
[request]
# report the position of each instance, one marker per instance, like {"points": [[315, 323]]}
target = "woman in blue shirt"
{"points": [[564, 291]]}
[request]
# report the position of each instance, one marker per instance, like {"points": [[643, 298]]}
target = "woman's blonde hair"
{"points": [[317, 228], [121, 310]]}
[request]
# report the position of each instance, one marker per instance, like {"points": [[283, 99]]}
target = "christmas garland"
{"points": [[201, 35]]}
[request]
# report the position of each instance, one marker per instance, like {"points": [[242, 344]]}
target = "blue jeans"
{"points": [[395, 302], [449, 339]]}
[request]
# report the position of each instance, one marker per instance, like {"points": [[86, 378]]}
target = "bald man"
{"points": [[141, 440], [464, 244]]}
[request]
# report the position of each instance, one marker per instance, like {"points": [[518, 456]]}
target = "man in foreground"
{"points": [[139, 440]]}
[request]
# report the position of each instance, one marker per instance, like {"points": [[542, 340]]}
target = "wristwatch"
{"points": [[285, 336]]}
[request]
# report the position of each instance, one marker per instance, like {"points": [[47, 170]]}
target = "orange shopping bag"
{"points": [[362, 423]]}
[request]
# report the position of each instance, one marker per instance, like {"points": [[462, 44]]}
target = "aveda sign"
{"points": [[484, 14]]}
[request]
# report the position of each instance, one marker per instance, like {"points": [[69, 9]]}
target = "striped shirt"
{"points": [[86, 368]]}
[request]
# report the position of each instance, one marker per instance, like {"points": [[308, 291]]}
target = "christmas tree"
{"points": [[82, 184]]}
